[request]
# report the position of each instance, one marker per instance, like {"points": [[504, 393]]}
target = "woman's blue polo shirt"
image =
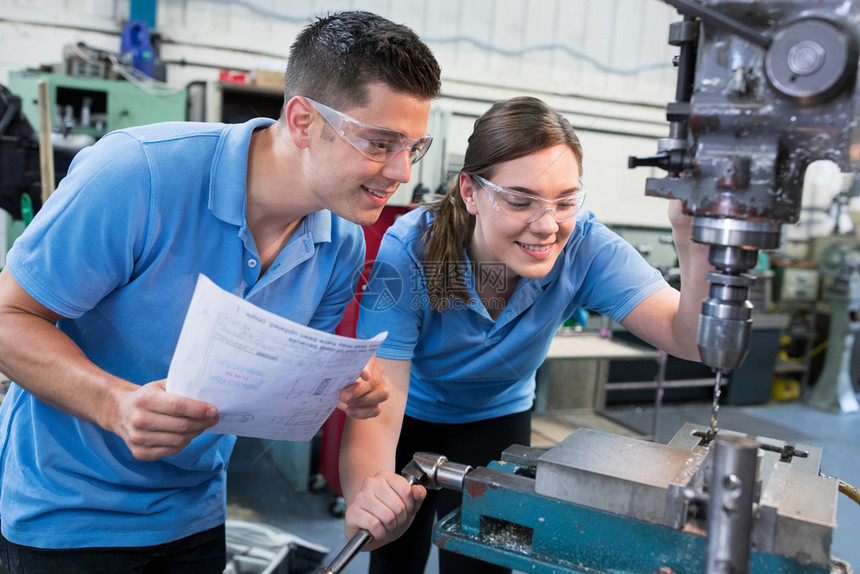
{"points": [[466, 366], [117, 249]]}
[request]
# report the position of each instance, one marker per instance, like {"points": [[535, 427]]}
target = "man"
{"points": [[102, 469]]}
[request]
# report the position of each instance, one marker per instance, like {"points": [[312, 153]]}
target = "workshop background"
{"points": [[605, 64]]}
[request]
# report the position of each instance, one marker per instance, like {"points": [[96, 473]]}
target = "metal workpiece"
{"points": [[612, 473], [730, 507], [800, 457], [691, 436], [795, 507]]}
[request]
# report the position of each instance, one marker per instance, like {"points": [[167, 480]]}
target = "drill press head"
{"points": [[764, 89]]}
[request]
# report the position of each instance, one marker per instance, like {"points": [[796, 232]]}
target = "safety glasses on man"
{"points": [[378, 144], [529, 208]]}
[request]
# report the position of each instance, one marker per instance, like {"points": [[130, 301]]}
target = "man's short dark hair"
{"points": [[336, 57]]}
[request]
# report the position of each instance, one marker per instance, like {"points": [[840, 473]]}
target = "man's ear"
{"points": [[467, 192], [298, 116]]}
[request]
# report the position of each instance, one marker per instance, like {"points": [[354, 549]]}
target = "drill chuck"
{"points": [[725, 321]]}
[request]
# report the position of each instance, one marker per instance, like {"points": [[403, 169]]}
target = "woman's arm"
{"points": [[378, 498], [669, 319]]}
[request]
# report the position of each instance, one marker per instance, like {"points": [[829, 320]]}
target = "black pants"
{"points": [[475, 444], [201, 553]]}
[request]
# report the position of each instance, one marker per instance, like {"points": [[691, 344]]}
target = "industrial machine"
{"points": [[764, 89], [834, 389], [600, 503], [95, 106]]}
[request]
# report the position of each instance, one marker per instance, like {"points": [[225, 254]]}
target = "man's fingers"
{"points": [[155, 398], [154, 421]]}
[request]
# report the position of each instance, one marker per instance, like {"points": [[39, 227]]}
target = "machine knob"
{"points": [[811, 60]]}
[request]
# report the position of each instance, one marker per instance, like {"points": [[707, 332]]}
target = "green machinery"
{"points": [[88, 108], [95, 106]]}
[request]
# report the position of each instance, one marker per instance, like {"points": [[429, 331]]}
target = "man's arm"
{"points": [[49, 365], [378, 499]]}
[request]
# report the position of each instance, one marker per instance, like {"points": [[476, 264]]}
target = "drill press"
{"points": [[763, 90]]}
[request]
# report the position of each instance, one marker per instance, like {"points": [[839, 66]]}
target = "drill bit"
{"points": [[715, 406]]}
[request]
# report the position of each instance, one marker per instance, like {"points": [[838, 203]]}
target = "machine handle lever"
{"points": [[714, 18], [358, 541], [427, 469], [345, 556], [660, 160], [673, 161]]}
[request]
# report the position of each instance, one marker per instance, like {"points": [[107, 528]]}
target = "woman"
{"points": [[486, 276]]}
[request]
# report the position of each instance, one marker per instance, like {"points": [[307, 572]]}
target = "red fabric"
{"points": [[332, 429]]}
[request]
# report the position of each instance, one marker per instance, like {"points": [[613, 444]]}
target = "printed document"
{"points": [[269, 377]]}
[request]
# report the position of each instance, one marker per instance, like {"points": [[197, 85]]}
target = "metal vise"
{"points": [[600, 503]]}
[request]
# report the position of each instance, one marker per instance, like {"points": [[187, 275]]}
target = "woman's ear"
{"points": [[467, 192], [298, 116]]}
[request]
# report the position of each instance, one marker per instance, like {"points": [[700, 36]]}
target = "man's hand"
{"points": [[361, 399], [155, 424], [384, 506]]}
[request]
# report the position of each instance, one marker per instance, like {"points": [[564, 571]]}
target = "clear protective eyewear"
{"points": [[378, 144], [529, 208]]}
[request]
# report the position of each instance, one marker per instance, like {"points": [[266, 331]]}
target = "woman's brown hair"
{"points": [[509, 130]]}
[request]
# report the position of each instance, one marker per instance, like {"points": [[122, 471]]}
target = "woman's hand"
{"points": [[384, 506]]}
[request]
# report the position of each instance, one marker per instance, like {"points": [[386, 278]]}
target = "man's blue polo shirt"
{"points": [[466, 366], [117, 250]]}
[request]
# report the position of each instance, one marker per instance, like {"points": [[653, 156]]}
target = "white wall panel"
{"points": [[615, 193], [589, 58], [98, 14]]}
